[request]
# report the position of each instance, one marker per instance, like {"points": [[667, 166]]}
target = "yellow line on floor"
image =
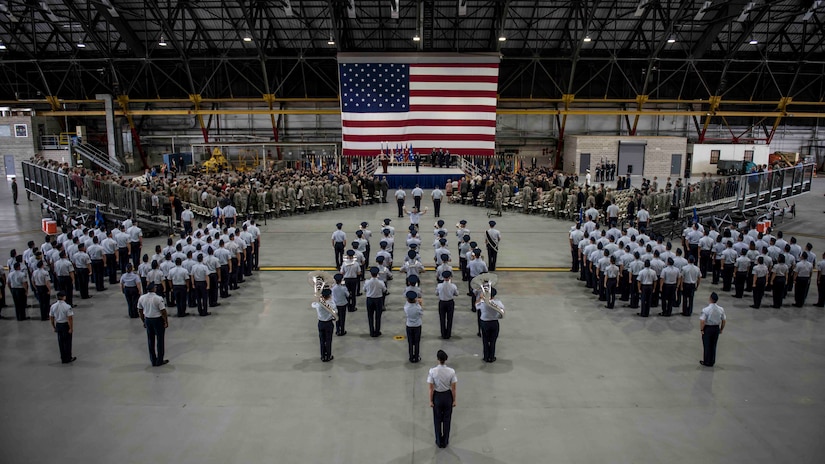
{"points": [[329, 268]]}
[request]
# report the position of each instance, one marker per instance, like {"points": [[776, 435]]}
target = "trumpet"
{"points": [[485, 283], [320, 280]]}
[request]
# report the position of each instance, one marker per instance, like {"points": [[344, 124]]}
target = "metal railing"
{"points": [[467, 166], [54, 188], [70, 193], [98, 157], [763, 190]]}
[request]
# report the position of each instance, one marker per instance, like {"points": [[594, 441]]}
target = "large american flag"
{"points": [[429, 100]]}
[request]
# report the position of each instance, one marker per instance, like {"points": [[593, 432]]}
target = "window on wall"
{"points": [[5, 130], [714, 156], [749, 155]]}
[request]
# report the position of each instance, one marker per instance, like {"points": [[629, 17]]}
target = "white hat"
{"points": [[588, 171]]}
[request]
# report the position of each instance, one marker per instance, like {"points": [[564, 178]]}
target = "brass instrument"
{"points": [[485, 283], [320, 280]]}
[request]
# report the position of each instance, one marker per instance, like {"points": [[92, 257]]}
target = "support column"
{"points": [[111, 135], [714, 101], [123, 100]]}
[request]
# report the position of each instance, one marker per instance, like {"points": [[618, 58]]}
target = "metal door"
{"points": [[631, 158], [584, 161], [9, 164], [675, 164]]}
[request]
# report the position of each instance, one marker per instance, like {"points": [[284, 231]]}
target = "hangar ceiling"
{"points": [[756, 56]]}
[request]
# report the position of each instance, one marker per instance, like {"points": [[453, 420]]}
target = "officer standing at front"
{"points": [[62, 319], [325, 325], [417, 193], [446, 292], [413, 311], [152, 308], [442, 381], [40, 280], [493, 239], [711, 324], [489, 325], [375, 290], [19, 284]]}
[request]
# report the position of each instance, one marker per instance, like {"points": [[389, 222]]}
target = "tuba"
{"points": [[485, 282], [319, 280]]}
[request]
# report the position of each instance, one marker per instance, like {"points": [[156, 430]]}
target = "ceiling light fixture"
{"points": [[2, 46], [587, 38], [246, 38], [501, 38], [81, 45], [331, 41], [671, 40], [162, 42], [416, 38], [753, 41]]}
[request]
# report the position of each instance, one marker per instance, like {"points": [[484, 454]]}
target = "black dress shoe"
{"points": [[640, 315], [754, 307], [216, 304], [330, 358], [206, 314], [74, 358], [478, 334], [706, 365]]}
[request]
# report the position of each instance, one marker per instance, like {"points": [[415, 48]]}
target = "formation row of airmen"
{"points": [[354, 263], [70, 261], [193, 272], [646, 272]]}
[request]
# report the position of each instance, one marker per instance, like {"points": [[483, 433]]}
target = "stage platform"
{"points": [[426, 177]]}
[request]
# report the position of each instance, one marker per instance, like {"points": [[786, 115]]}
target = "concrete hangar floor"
{"points": [[573, 382]]}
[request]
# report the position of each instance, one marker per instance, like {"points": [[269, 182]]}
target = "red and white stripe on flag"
{"points": [[431, 101]]}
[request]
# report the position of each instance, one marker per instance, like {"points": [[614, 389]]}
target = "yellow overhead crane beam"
{"points": [[560, 106]]}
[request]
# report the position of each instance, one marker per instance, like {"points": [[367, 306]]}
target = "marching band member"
{"points": [[489, 324], [351, 270], [340, 298], [325, 324]]}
